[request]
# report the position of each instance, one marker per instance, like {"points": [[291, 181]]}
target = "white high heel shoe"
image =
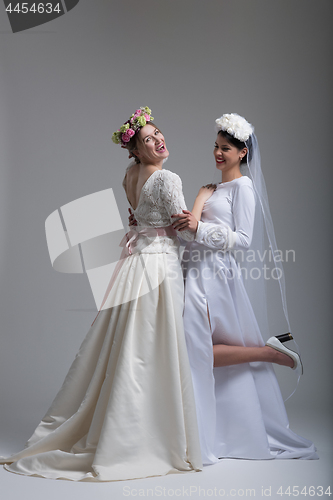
{"points": [[276, 343]]}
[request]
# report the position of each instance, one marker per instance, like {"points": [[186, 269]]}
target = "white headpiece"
{"points": [[235, 125]]}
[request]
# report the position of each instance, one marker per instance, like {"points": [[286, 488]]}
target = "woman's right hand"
{"points": [[185, 221]]}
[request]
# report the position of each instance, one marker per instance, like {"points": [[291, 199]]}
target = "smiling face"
{"points": [[150, 145], [227, 156]]}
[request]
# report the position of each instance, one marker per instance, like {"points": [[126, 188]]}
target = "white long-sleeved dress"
{"points": [[240, 410], [126, 408]]}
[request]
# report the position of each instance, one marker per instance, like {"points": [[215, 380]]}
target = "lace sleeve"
{"points": [[171, 195]]}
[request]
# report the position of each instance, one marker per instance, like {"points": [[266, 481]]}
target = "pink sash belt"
{"points": [[129, 243]]}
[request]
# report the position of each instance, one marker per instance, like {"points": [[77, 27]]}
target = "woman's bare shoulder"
{"points": [[131, 176], [131, 172]]}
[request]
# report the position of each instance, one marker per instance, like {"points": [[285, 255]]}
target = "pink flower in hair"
{"points": [[126, 137], [130, 132], [147, 117]]}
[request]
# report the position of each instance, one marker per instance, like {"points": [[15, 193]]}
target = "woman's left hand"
{"points": [[185, 221], [206, 192], [131, 219]]}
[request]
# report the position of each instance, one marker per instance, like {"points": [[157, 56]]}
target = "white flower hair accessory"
{"points": [[235, 125]]}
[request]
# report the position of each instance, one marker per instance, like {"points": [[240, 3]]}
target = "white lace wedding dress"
{"points": [[126, 409]]}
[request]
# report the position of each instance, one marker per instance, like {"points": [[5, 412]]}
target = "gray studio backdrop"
{"points": [[67, 85]]}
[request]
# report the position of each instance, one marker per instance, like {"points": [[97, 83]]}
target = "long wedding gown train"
{"points": [[126, 408]]}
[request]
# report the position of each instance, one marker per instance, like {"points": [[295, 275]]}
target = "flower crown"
{"points": [[132, 126], [235, 125]]}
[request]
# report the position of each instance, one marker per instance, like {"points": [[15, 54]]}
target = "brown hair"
{"points": [[133, 142]]}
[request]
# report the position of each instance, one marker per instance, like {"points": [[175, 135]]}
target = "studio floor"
{"points": [[276, 479]]}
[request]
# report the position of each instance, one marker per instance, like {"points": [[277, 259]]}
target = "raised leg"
{"points": [[226, 355]]}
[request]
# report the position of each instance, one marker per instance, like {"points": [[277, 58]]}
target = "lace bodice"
{"points": [[161, 196]]}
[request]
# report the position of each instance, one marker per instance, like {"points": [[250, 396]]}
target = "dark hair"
{"points": [[132, 144], [238, 144]]}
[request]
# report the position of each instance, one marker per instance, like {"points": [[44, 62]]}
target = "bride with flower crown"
{"points": [[240, 410], [126, 409]]}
